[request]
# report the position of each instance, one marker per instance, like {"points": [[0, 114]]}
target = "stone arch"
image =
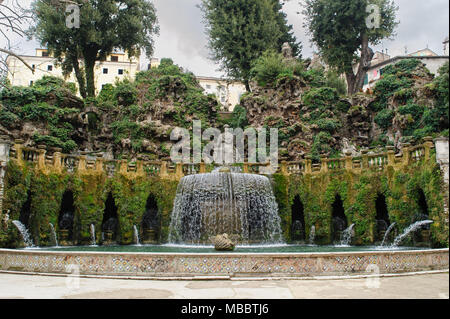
{"points": [[110, 221], [382, 219], [66, 217], [298, 220], [25, 210], [339, 219], [150, 224]]}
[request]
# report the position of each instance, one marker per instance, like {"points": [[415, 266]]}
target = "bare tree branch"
{"points": [[18, 57]]}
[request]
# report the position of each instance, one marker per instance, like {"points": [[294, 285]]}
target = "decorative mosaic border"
{"points": [[224, 264]]}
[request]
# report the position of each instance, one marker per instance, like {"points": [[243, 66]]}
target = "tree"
{"points": [[287, 35], [240, 31], [104, 25], [342, 29]]}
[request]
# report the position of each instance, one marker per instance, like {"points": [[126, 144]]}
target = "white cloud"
{"points": [[182, 36]]}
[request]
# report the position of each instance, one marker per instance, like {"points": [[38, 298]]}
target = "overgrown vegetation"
{"points": [[43, 103], [400, 103]]}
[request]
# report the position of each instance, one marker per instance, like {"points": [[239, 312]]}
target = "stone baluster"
{"points": [[364, 159], [245, 168], [284, 169], [42, 149], [99, 162], [348, 161], [324, 164], [406, 154], [202, 168], [163, 172], [18, 146], [123, 166], [140, 166], [308, 164], [57, 165], [82, 162], [390, 155], [179, 171], [428, 145]]}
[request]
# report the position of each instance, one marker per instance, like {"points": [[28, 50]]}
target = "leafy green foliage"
{"points": [[240, 31], [32, 104], [128, 25], [396, 97], [339, 30]]}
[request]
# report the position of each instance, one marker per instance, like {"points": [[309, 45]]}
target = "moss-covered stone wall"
{"points": [[90, 192], [359, 193], [317, 192]]}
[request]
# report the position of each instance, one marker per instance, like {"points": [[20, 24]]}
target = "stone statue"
{"points": [[286, 50]]}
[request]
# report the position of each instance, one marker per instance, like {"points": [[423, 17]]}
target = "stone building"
{"points": [[116, 66]]}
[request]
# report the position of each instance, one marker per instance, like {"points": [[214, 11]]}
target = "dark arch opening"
{"points": [[339, 218], [422, 213], [25, 211], [382, 218], [421, 237], [150, 220], [110, 223], [66, 216], [298, 219]]}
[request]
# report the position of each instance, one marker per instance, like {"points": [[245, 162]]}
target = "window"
{"points": [[44, 53], [120, 71], [33, 67], [105, 71], [208, 86], [114, 58], [50, 67], [31, 83]]}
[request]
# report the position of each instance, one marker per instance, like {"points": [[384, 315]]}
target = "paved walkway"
{"points": [[430, 286]]}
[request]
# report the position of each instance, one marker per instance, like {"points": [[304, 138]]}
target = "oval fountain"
{"points": [[244, 207]]}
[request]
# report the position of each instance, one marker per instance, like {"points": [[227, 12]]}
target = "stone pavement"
{"points": [[427, 286]]}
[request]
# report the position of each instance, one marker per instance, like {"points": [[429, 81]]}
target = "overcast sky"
{"points": [[182, 36]]}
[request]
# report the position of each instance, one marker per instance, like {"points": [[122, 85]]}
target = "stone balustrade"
{"points": [[52, 159]]}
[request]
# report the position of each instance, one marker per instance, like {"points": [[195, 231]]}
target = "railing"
{"points": [[52, 158]]}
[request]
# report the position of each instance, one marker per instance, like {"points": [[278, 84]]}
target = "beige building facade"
{"points": [[117, 66]]}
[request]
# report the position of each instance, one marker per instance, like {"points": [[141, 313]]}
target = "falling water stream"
{"points": [[312, 235], [55, 237], [241, 205], [136, 235], [347, 235], [386, 234], [411, 228], [93, 240], [24, 232]]}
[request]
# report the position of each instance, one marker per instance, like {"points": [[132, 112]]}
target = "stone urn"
{"points": [[223, 243], [149, 236], [426, 235], [63, 237], [109, 235]]}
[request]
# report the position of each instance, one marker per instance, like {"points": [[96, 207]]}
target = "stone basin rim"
{"points": [[225, 254]]}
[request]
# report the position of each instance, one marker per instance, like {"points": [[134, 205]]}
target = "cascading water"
{"points": [[312, 235], [55, 237], [136, 235], [93, 240], [410, 229], [347, 235], [386, 234], [24, 232], [241, 205]]}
